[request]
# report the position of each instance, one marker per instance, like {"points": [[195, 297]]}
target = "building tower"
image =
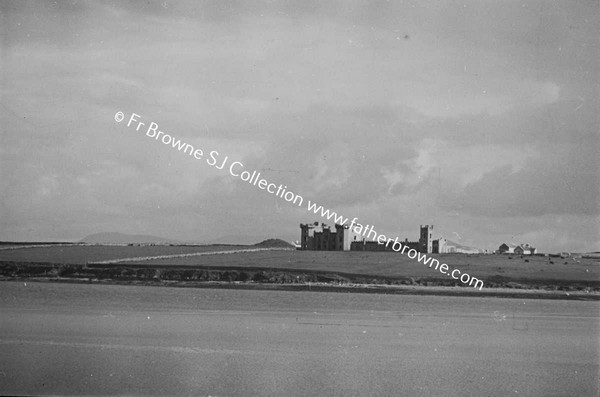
{"points": [[426, 239], [307, 236]]}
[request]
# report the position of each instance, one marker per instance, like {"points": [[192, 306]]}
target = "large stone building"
{"points": [[321, 238]]}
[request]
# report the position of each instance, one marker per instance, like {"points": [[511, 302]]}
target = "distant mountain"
{"points": [[274, 243], [120, 238], [461, 246]]}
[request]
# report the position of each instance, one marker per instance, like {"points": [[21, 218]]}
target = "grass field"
{"points": [[392, 264], [81, 254], [291, 266]]}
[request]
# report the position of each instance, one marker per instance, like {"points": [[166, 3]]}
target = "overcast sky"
{"points": [[478, 117]]}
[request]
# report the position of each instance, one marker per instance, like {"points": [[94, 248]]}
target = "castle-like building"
{"points": [[320, 237], [315, 237]]}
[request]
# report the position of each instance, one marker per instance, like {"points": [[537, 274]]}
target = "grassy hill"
{"points": [[274, 243]]}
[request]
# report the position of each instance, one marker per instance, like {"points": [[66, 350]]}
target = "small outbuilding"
{"points": [[524, 249], [507, 248]]}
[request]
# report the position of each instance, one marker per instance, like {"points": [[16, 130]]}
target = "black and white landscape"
{"points": [[157, 159]]}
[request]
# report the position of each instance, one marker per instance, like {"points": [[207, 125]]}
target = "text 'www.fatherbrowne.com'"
{"points": [[238, 170]]}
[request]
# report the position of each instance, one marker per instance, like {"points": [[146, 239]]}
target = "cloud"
{"points": [[397, 113], [558, 182], [493, 96]]}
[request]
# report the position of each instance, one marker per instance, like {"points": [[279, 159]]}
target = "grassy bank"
{"points": [[296, 279]]}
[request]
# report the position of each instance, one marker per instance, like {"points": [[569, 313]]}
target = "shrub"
{"points": [[259, 277], [61, 271]]}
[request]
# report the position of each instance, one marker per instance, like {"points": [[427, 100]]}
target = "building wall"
{"points": [[369, 246], [442, 246], [412, 245], [363, 245], [439, 246]]}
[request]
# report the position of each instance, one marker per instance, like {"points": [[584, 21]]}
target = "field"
{"points": [[391, 264], [81, 254], [194, 265]]}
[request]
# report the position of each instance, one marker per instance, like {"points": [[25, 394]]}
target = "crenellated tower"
{"points": [[426, 239]]}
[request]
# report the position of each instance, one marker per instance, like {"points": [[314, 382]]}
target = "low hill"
{"points": [[121, 238], [274, 243], [237, 239]]}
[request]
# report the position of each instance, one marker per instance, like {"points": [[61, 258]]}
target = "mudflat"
{"points": [[110, 339]]}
